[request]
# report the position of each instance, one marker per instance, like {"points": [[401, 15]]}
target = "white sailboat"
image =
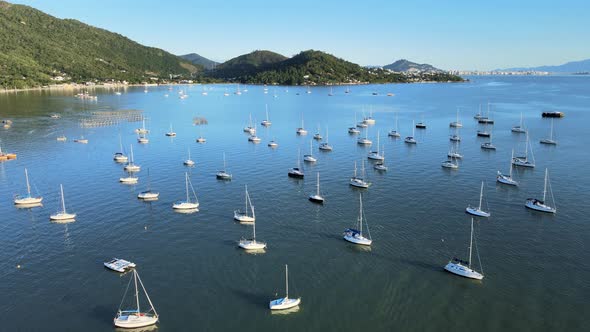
{"points": [[394, 133], [463, 268], [450, 163], [135, 318], [380, 165], [369, 120], [550, 140], [250, 128], [273, 144], [356, 235], [318, 136], [120, 157], [520, 128], [524, 161], [131, 166], [171, 133], [297, 172], [301, 130], [285, 302], [223, 174], [62, 215], [456, 123], [142, 130], [129, 179], [376, 155], [253, 138], [507, 179], [248, 214], [352, 130], [27, 198], [149, 194], [455, 137], [454, 153], [189, 162], [309, 157], [266, 122], [411, 139], [364, 140], [201, 139], [325, 146], [359, 182], [541, 205], [252, 244], [477, 211], [188, 204], [317, 198], [488, 145], [142, 139]]}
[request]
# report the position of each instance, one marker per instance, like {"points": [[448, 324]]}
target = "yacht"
{"points": [[356, 235], [191, 203], [411, 139], [317, 198], [359, 182]]}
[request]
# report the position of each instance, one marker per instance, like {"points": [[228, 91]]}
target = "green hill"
{"points": [[405, 65], [36, 47], [199, 60], [247, 64]]}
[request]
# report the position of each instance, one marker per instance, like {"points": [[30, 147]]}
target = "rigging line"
{"points": [[124, 295], [478, 257]]}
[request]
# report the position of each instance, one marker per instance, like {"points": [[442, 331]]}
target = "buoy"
{"points": [[18, 266]]}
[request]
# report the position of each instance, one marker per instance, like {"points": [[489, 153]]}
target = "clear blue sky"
{"points": [[448, 34]]}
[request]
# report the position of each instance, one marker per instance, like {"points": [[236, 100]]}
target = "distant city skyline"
{"points": [[462, 35]]}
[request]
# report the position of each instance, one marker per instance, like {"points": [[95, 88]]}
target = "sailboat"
{"points": [[352, 130], [325, 146], [394, 133], [62, 215], [252, 244], [149, 194], [331, 93], [120, 157], [189, 162], [421, 124], [450, 163], [550, 140], [250, 128], [131, 167], [456, 123], [129, 179], [318, 136], [62, 138], [253, 138], [297, 172], [484, 132], [479, 114], [477, 211], [463, 268], [524, 161], [273, 143], [134, 318], [488, 145], [359, 182], [142, 130], [455, 137], [244, 216], [171, 133], [411, 139], [309, 157], [356, 235], [301, 130], [317, 198], [369, 120], [520, 128], [266, 122], [142, 139], [454, 153], [541, 205], [201, 139], [188, 204], [375, 155], [507, 179], [380, 165], [223, 174], [27, 198], [285, 302], [364, 140], [486, 119]]}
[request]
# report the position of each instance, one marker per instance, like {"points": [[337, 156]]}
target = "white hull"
{"points": [[477, 212], [353, 130], [80, 140], [134, 321], [410, 140], [129, 180], [380, 167], [254, 139], [222, 175], [359, 183], [317, 137], [449, 164], [456, 125], [359, 239], [266, 123], [316, 198], [522, 163], [171, 134], [62, 216], [251, 245], [455, 155], [548, 141], [148, 195], [369, 121], [189, 162], [143, 140], [201, 140], [375, 156], [537, 205], [488, 146], [506, 180], [518, 130], [455, 138], [132, 168], [284, 303], [463, 271], [301, 131], [28, 200], [325, 147], [242, 217], [309, 158], [185, 206], [394, 133], [364, 141]]}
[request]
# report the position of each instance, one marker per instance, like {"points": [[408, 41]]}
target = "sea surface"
{"points": [[536, 266]]}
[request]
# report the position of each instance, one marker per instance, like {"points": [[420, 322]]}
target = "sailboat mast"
{"points": [[480, 195], [545, 186], [470, 243], [253, 226], [224, 161], [136, 290], [246, 199], [131, 146], [186, 184], [318, 185], [146, 294], [28, 186], [266, 112], [511, 163], [361, 214], [286, 281], [526, 147], [63, 203], [355, 168]]}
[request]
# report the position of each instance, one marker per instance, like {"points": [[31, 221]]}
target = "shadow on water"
{"points": [[258, 299], [104, 315]]}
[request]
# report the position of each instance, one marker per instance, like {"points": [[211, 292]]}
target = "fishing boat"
{"points": [[507, 179], [520, 128], [317, 198], [171, 133], [411, 139], [550, 140], [542, 205], [189, 162], [120, 157], [309, 157], [252, 244], [325, 146], [359, 182], [356, 235], [450, 164], [149, 194], [136, 318], [477, 211], [376, 155], [394, 133], [285, 302], [131, 166], [223, 174], [297, 172], [456, 123], [523, 161], [301, 130], [248, 214], [266, 122], [463, 268], [189, 203], [62, 215], [27, 198], [119, 265]]}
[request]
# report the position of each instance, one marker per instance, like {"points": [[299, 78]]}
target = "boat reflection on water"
{"points": [[139, 329], [63, 221], [253, 251], [286, 311], [358, 248], [186, 211], [28, 206]]}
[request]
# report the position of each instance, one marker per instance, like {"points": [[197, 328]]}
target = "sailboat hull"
{"points": [[135, 320], [185, 206], [358, 239], [535, 204], [242, 217], [251, 245], [316, 199], [62, 216], [477, 212], [463, 271], [28, 200], [284, 303], [148, 195]]}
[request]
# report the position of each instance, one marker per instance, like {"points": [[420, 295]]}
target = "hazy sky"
{"points": [[447, 34]]}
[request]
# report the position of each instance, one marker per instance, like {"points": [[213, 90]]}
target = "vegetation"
{"points": [[39, 49], [247, 64], [199, 60]]}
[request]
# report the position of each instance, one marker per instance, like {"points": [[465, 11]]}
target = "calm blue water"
{"points": [[536, 266]]}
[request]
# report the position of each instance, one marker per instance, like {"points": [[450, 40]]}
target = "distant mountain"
{"points": [[247, 64], [37, 49], [404, 65], [569, 67], [200, 60]]}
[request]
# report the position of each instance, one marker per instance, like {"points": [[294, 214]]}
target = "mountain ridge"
{"points": [[568, 67], [404, 65], [199, 60]]}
